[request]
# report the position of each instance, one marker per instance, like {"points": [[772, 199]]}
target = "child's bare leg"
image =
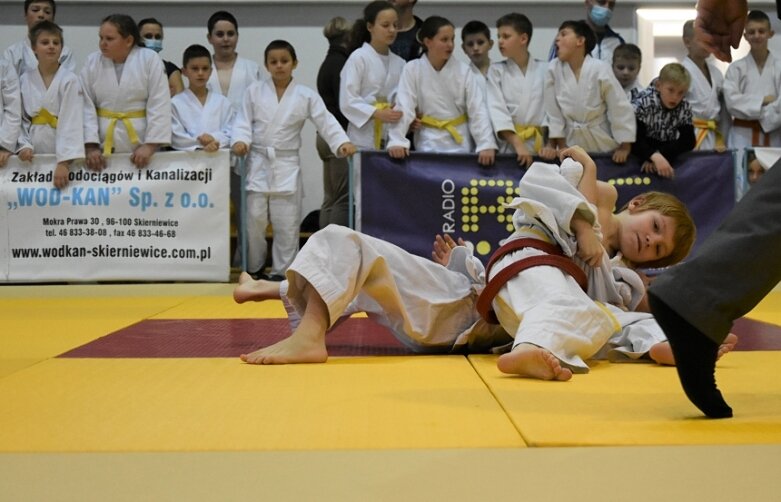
{"points": [[249, 289], [662, 353], [306, 344], [528, 360]]}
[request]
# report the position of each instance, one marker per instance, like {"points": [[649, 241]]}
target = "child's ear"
{"points": [[295, 64], [490, 44], [635, 202], [525, 38]]}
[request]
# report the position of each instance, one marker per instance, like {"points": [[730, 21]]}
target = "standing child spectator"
{"points": [[448, 96], [664, 121], [53, 105], [10, 111], [127, 104], [201, 119], [336, 197], [705, 93], [515, 90], [752, 86], [20, 54], [407, 44], [626, 65], [268, 130], [584, 103], [476, 43], [370, 77], [151, 31]]}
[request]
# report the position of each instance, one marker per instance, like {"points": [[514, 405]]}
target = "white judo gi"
{"points": [[141, 92], [744, 89], [22, 57], [53, 118], [10, 107], [592, 111], [191, 119], [453, 97], [272, 129], [368, 82], [516, 101], [245, 73], [705, 100]]}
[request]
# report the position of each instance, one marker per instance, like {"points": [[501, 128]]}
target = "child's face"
{"points": [[280, 64], [440, 46], [37, 12], [223, 38], [695, 48], [383, 29], [476, 47], [511, 43], [646, 236], [626, 69], [112, 44], [48, 47], [198, 71], [757, 34], [671, 93], [569, 44], [755, 171]]}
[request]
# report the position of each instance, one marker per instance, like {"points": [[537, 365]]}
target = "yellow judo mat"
{"points": [[362, 403]]}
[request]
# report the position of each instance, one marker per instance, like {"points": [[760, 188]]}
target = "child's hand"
{"points": [[347, 150], [443, 246], [590, 248], [398, 152], [662, 166], [239, 149], [61, 175], [204, 139], [93, 157], [648, 167], [4, 155], [142, 155], [486, 157], [388, 115], [768, 100], [621, 153], [522, 154], [576, 153], [212, 146], [415, 125], [26, 154], [548, 152]]}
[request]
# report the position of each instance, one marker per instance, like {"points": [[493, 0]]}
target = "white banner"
{"points": [[168, 221]]}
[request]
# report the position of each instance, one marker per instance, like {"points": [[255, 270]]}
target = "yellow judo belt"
{"points": [[125, 118], [45, 117], [447, 124], [379, 105], [526, 131], [704, 126]]}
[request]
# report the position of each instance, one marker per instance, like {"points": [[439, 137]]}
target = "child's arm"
{"points": [[11, 118], [588, 181], [620, 115], [522, 154], [479, 123]]}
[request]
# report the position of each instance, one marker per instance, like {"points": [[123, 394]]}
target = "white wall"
{"points": [[300, 23]]}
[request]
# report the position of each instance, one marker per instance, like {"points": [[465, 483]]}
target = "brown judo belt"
{"points": [[555, 257], [756, 130]]}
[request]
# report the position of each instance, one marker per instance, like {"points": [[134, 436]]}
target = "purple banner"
{"points": [[408, 202]]}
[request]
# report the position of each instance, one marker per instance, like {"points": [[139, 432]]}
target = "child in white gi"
{"points": [[201, 120], [584, 103], [627, 59], [476, 43], [53, 105], [515, 90], [127, 104], [10, 111], [430, 308], [267, 129], [368, 81], [20, 54], [448, 96]]}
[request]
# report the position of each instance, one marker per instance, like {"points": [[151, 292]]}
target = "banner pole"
{"points": [[243, 212]]}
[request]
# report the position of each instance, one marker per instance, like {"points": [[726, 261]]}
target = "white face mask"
{"points": [[155, 45], [600, 15]]}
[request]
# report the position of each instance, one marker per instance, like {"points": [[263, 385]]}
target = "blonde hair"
{"points": [[676, 74], [685, 230], [337, 28]]}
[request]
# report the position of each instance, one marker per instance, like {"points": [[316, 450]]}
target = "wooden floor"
{"points": [[357, 428]]}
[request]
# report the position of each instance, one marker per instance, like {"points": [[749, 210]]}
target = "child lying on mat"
{"points": [[434, 309]]}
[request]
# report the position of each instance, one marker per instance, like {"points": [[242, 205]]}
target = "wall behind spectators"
{"points": [[301, 24]]}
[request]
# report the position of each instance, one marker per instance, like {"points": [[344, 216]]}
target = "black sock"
{"points": [[695, 359]]}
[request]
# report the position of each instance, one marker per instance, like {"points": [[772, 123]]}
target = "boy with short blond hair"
{"points": [[664, 121], [20, 54]]}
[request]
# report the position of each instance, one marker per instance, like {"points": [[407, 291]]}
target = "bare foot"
{"points": [[534, 362], [662, 353], [249, 289], [292, 350]]}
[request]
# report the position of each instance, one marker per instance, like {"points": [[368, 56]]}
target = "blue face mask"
{"points": [[600, 15], [155, 45]]}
